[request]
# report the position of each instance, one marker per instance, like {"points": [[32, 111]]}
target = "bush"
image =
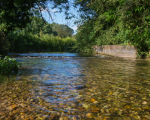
{"points": [[8, 65]]}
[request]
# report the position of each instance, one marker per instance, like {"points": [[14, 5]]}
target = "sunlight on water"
{"points": [[91, 87]]}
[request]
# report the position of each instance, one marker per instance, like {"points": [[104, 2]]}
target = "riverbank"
{"points": [[117, 50]]}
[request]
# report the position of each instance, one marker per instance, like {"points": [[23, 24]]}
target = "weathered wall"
{"points": [[117, 50]]}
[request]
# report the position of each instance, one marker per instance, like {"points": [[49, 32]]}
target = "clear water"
{"points": [[84, 85]]}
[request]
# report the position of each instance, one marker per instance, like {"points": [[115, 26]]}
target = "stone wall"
{"points": [[117, 50]]}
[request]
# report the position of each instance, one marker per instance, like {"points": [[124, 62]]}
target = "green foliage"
{"points": [[4, 44], [140, 38], [37, 24], [8, 65], [38, 36], [85, 37], [102, 28], [62, 30], [102, 21], [115, 22], [15, 13], [21, 42]]}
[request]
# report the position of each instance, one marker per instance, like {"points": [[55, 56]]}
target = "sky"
{"points": [[60, 18]]}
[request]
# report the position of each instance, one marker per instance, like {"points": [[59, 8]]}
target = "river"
{"points": [[89, 86]]}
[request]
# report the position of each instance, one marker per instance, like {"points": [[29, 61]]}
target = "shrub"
{"points": [[8, 65]]}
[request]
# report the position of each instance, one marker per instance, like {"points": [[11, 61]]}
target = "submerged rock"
{"points": [[79, 87]]}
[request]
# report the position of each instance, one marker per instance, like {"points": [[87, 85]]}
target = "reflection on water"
{"points": [[98, 87]]}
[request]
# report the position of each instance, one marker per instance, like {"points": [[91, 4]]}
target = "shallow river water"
{"points": [[88, 86]]}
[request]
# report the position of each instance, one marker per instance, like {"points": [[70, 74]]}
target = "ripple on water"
{"points": [[93, 87]]}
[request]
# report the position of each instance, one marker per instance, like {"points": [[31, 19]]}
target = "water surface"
{"points": [[88, 86]]}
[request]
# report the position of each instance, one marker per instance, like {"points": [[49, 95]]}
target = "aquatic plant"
{"points": [[8, 65]]}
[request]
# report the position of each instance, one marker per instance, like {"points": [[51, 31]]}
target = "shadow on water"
{"points": [[91, 87]]}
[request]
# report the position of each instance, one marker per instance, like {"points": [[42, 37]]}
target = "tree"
{"points": [[62, 30], [115, 22], [36, 25], [17, 13]]}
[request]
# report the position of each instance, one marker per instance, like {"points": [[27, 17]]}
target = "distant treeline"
{"points": [[38, 25], [38, 35]]}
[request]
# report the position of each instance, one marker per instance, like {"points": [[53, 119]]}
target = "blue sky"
{"points": [[60, 18]]}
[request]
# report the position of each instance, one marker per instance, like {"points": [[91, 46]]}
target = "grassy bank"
{"points": [[20, 42]]}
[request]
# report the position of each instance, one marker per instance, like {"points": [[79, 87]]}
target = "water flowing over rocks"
{"points": [[73, 87]]}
